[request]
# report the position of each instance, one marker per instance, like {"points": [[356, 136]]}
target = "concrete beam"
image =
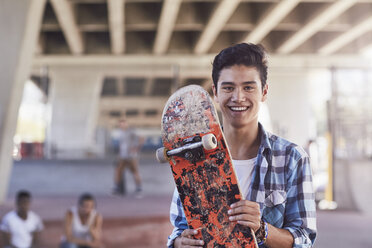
{"points": [[148, 86], [144, 121], [316, 24], [215, 24], [366, 51], [66, 18], [39, 47], [136, 121], [271, 20], [198, 63], [319, 61], [122, 104], [347, 37], [20, 23], [116, 24], [128, 60], [131, 102], [166, 24]]}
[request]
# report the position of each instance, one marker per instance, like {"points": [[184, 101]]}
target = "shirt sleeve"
{"points": [[300, 216], [40, 225], [177, 218], [4, 225]]}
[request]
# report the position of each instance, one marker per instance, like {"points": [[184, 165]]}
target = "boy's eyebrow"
{"points": [[231, 83], [250, 82], [227, 83]]}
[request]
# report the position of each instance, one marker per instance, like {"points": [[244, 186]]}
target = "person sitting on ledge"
{"points": [[83, 225]]}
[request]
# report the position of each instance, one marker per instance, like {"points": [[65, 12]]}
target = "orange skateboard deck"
{"points": [[202, 168]]}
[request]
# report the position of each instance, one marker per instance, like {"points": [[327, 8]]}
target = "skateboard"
{"points": [[195, 148]]}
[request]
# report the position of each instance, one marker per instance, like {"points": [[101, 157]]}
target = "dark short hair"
{"points": [[23, 194], [247, 54], [86, 197]]}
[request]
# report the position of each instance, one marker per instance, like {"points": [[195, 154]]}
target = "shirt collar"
{"points": [[265, 142]]}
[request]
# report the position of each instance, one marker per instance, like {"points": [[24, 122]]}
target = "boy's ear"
{"points": [[264, 92], [214, 93]]}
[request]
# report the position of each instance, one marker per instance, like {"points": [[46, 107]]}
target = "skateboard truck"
{"points": [[192, 150]]}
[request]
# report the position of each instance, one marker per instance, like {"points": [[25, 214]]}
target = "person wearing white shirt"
{"points": [[83, 225], [21, 228]]}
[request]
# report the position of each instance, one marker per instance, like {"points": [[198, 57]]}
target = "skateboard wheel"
{"points": [[209, 141], [161, 155]]}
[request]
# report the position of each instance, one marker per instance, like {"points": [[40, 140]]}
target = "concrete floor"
{"points": [[56, 185], [71, 178]]}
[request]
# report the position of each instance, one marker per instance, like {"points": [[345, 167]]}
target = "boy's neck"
{"points": [[22, 215], [243, 142]]}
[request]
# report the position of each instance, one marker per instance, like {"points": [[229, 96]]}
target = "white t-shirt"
{"points": [[80, 230], [244, 172], [128, 140], [21, 230]]}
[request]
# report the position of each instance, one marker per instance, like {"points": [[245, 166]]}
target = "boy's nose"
{"points": [[238, 96]]}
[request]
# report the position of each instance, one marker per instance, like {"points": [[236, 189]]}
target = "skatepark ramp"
{"points": [[353, 184]]}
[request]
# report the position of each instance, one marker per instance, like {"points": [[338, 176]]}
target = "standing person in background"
{"points": [[83, 225], [129, 147], [21, 228]]}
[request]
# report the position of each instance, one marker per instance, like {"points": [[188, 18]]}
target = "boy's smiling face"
{"points": [[239, 94]]}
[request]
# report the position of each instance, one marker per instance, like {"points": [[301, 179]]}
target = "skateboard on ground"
{"points": [[200, 161]]}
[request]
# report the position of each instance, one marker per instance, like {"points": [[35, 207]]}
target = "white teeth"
{"points": [[238, 108]]}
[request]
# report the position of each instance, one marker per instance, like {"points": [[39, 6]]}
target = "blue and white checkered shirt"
{"points": [[282, 185]]}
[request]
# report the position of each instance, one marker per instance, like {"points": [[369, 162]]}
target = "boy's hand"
{"points": [[187, 240], [246, 213]]}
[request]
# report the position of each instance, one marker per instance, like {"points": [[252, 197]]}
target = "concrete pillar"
{"points": [[74, 99], [20, 23], [289, 104]]}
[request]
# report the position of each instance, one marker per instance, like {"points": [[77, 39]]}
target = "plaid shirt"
{"points": [[282, 185]]}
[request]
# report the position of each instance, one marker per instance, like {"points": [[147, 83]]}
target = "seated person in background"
{"points": [[21, 228], [83, 225]]}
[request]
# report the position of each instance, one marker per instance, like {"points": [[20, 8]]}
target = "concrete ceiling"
{"points": [[120, 27], [151, 47]]}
